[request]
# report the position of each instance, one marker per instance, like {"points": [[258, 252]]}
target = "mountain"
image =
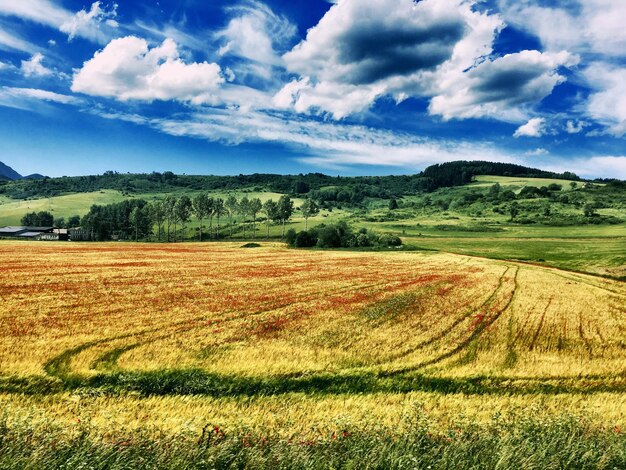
{"points": [[9, 173], [34, 176]]}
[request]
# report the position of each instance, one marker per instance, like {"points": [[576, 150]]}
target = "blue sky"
{"points": [[289, 86]]}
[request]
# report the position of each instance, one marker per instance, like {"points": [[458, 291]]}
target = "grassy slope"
{"points": [[518, 183], [595, 249]]}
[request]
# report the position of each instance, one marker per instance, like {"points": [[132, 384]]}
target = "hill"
{"points": [[431, 179], [8, 173]]}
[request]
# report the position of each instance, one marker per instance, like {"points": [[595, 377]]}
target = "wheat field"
{"points": [[298, 344]]}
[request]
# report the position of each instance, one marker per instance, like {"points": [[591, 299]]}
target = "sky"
{"points": [[350, 87]]}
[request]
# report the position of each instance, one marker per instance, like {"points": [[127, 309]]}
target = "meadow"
{"points": [[209, 354]]}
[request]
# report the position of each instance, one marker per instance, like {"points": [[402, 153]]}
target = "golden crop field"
{"points": [[170, 338]]}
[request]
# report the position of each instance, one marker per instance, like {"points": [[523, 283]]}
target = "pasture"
{"points": [[273, 354]]}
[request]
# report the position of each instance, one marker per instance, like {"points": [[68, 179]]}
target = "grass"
{"points": [[518, 183], [511, 441], [602, 256]]}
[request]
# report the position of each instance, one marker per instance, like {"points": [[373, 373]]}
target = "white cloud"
{"points": [[576, 25], [40, 11], [256, 33], [361, 51], [591, 28], [31, 99], [607, 104], [604, 166], [504, 88], [323, 144], [536, 127], [127, 69], [37, 94], [34, 67], [88, 24], [10, 41], [575, 127]]}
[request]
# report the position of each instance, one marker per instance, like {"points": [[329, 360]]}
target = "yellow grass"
{"points": [[271, 312]]}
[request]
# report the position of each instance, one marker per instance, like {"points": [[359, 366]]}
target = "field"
{"points": [[283, 353]]}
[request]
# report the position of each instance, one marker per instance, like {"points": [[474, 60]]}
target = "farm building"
{"points": [[58, 234], [32, 233]]}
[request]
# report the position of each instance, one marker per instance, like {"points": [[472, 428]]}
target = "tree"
{"points": [[170, 216], [158, 215], [73, 221], [513, 210], [270, 210], [183, 211], [309, 209], [589, 210], [255, 207], [232, 206], [135, 219], [218, 209], [244, 210], [199, 206], [59, 222], [285, 210], [301, 187], [393, 204], [38, 219]]}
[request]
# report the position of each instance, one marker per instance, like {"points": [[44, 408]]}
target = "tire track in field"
{"points": [[60, 366], [108, 361], [541, 321], [476, 333], [442, 334]]}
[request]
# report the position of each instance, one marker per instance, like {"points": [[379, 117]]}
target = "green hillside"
{"points": [[557, 221]]}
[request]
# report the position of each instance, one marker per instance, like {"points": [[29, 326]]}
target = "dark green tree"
{"points": [[285, 210]]}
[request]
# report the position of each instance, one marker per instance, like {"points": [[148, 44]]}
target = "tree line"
{"points": [[217, 217]]}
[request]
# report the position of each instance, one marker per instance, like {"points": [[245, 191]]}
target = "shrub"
{"points": [[290, 237], [305, 240]]}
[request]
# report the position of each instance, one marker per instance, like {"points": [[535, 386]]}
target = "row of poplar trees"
{"points": [[173, 212]]}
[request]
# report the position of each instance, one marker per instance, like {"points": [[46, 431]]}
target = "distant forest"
{"points": [[348, 189]]}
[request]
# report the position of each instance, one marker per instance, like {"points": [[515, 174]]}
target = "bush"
{"points": [[290, 237], [305, 240], [388, 239]]}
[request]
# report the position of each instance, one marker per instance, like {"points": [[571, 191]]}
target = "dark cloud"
{"points": [[379, 54], [506, 84]]}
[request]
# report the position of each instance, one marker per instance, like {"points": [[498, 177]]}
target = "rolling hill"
{"points": [[8, 173]]}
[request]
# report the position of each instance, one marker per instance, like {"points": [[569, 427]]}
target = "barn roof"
{"points": [[12, 230], [29, 234]]}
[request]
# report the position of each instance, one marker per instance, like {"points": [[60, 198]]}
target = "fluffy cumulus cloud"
{"points": [[34, 67], [127, 69], [535, 127], [361, 51], [502, 88], [593, 29], [607, 104], [576, 25], [89, 24], [361, 43], [438, 49]]}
